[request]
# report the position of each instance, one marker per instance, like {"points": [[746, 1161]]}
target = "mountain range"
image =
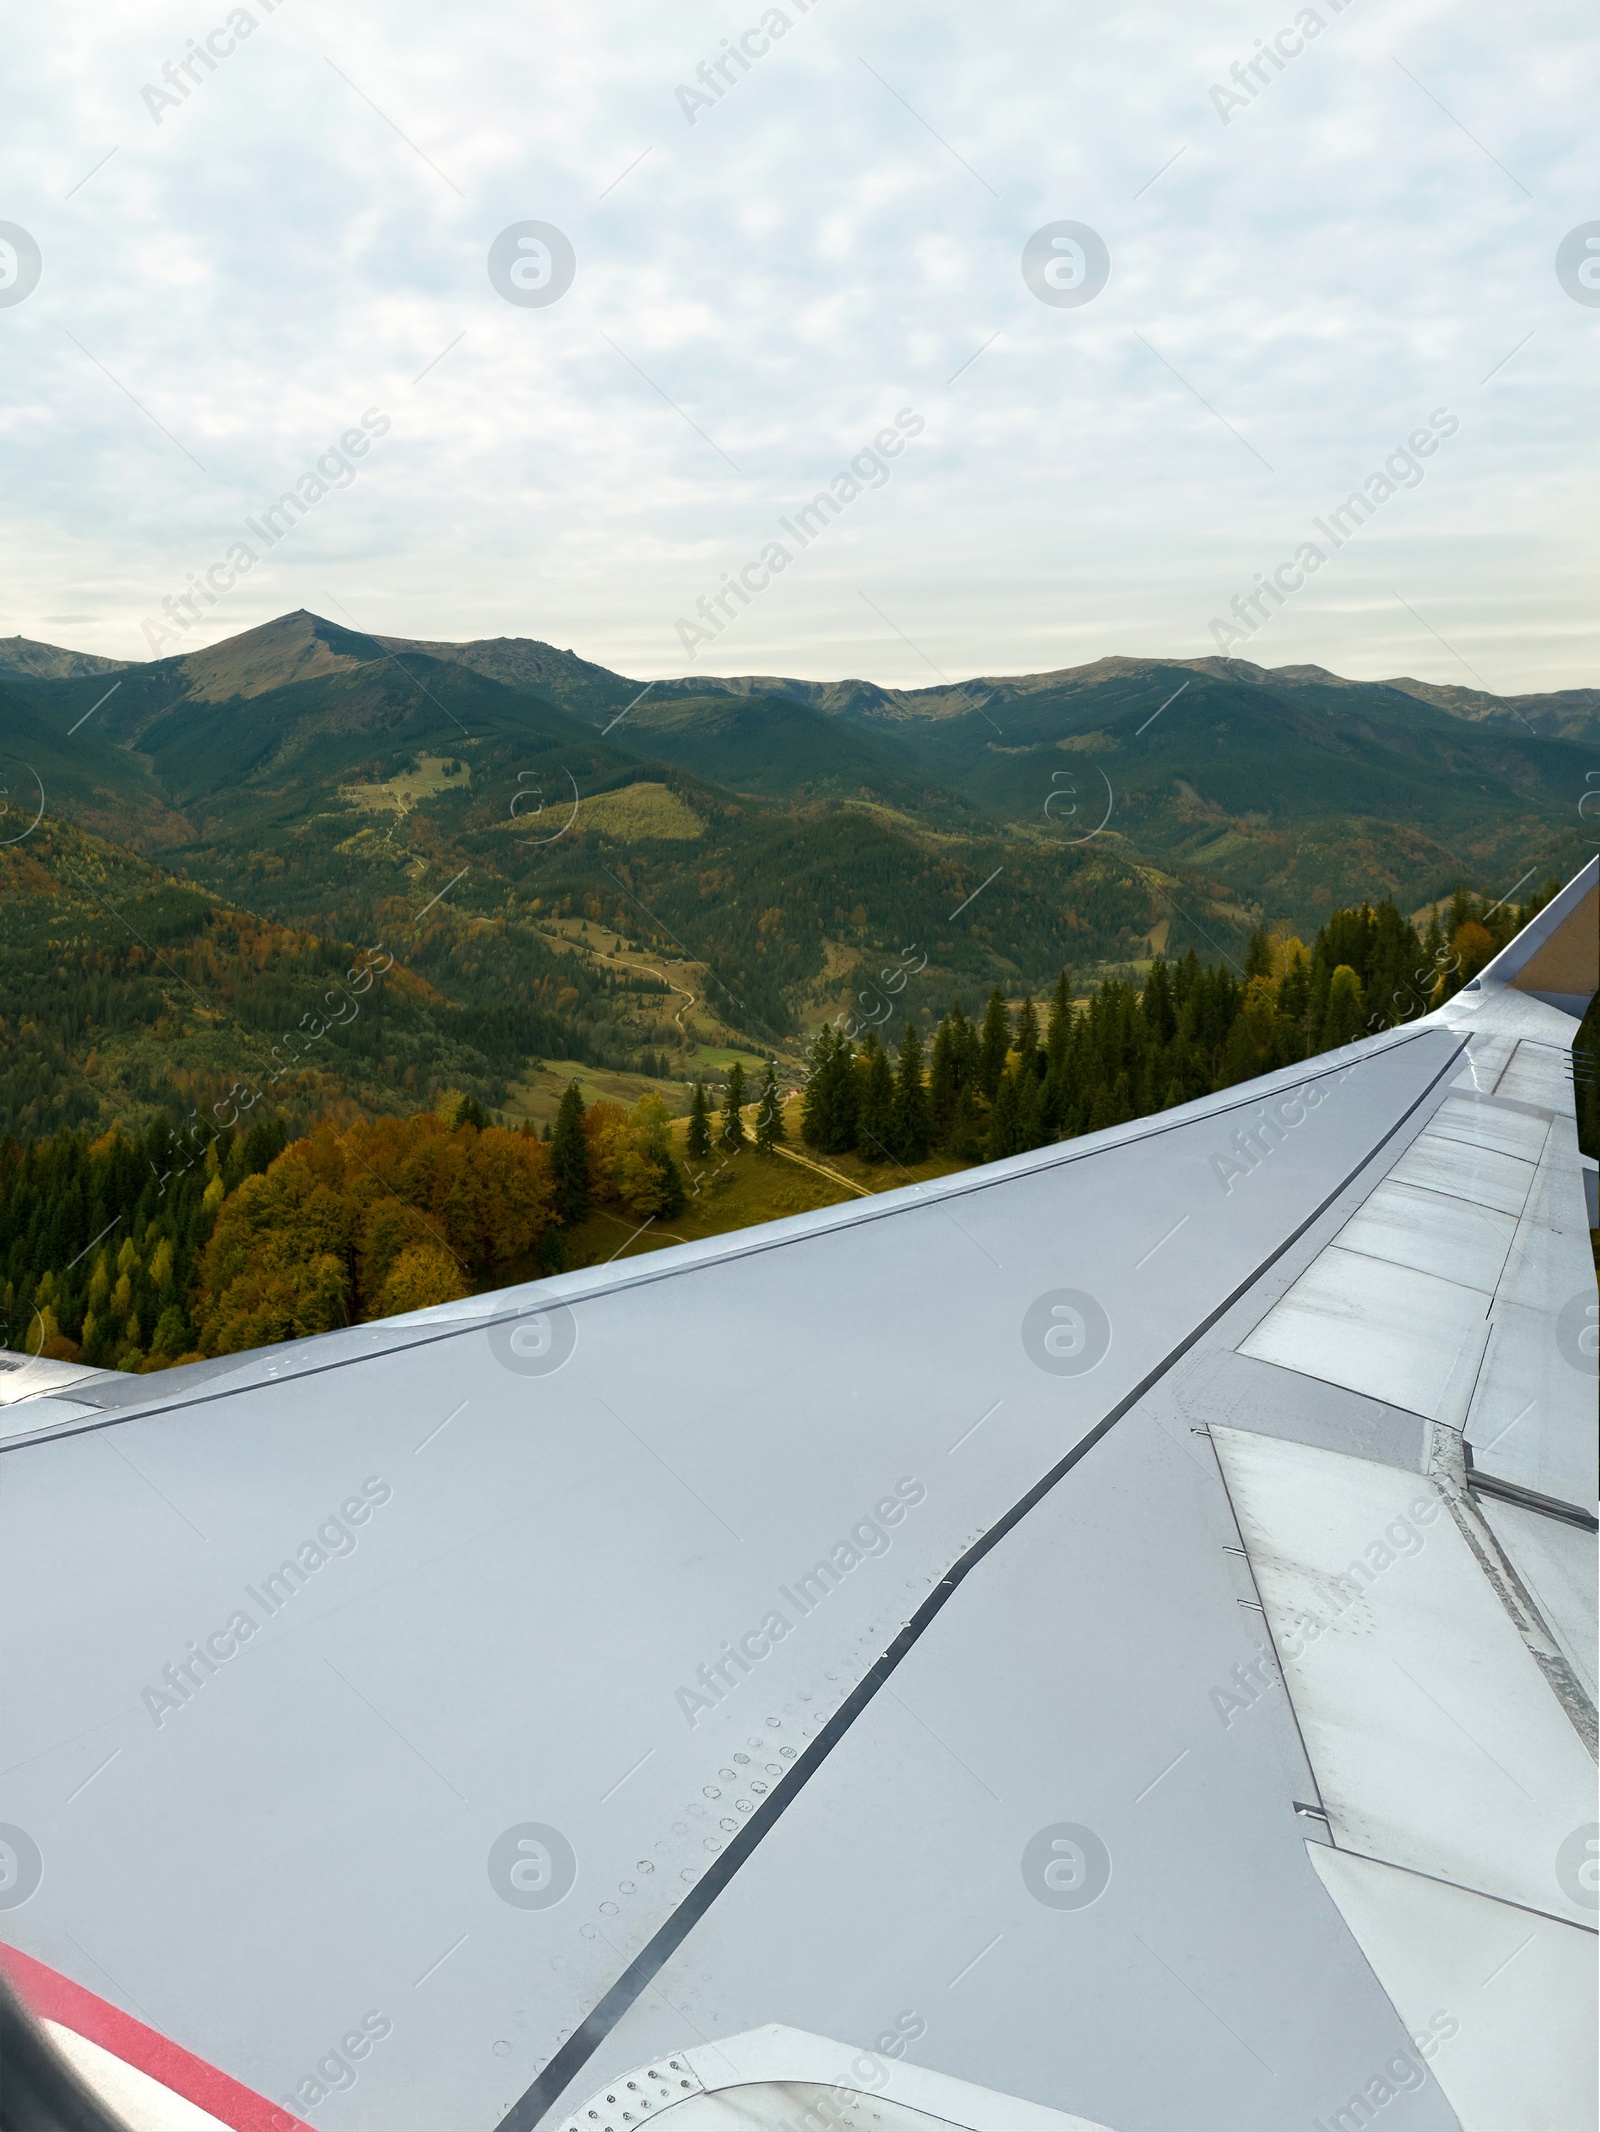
{"points": [[568, 863]]}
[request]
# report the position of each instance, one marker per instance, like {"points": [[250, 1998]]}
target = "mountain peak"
{"points": [[519, 662], [293, 647], [22, 658]]}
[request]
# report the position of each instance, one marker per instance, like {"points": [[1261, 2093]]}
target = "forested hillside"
{"points": [[122, 987], [1021, 1079], [137, 1250], [539, 864]]}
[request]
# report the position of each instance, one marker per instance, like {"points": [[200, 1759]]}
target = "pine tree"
{"points": [[815, 1117], [172, 1334], [828, 1121], [698, 1142], [964, 1139], [263, 1144], [1102, 1111], [1342, 1022], [966, 1036], [1057, 1102], [1027, 1033], [1240, 1060], [769, 1117], [875, 1119], [1033, 1126], [1433, 952], [1060, 1023], [946, 1071], [1157, 1009], [1003, 1138], [994, 1044], [911, 1126], [1294, 991], [731, 1132], [569, 1159]]}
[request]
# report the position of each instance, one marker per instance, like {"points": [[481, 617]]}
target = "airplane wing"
{"points": [[1105, 1640]]}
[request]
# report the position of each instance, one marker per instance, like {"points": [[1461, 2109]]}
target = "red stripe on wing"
{"points": [[49, 1996]]}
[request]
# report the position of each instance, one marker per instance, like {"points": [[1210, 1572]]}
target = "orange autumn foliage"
{"points": [[389, 1215]]}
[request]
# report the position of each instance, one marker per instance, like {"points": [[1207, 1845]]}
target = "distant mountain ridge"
{"points": [[1253, 789], [1569, 713], [301, 646], [548, 847], [25, 659], [1565, 713]]}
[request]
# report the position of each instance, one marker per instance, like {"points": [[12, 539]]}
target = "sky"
{"points": [[1273, 282]]}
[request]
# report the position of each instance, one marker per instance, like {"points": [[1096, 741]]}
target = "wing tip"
{"points": [[1556, 956]]}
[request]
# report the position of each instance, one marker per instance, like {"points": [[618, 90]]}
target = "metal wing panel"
{"points": [[1556, 1561], [1483, 1177], [511, 1639], [1532, 1418], [1432, 1233], [1374, 1327], [1105, 1670], [1436, 1741], [1505, 2000]]}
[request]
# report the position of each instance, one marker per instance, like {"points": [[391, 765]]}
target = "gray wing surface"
{"points": [[1108, 1637]]}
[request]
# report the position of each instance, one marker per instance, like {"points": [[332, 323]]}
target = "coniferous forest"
{"points": [[1013, 1079]]}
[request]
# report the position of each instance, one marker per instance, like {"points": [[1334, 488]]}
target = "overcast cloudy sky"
{"points": [[1298, 279]]}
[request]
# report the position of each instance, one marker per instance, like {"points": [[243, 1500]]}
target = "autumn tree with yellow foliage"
{"points": [[388, 1215]]}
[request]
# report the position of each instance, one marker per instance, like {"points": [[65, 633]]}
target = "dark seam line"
{"points": [[852, 1217], [583, 2042], [1512, 1902], [1550, 1506]]}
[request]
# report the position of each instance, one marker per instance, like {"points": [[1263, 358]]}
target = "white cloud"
{"points": [[1303, 284]]}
